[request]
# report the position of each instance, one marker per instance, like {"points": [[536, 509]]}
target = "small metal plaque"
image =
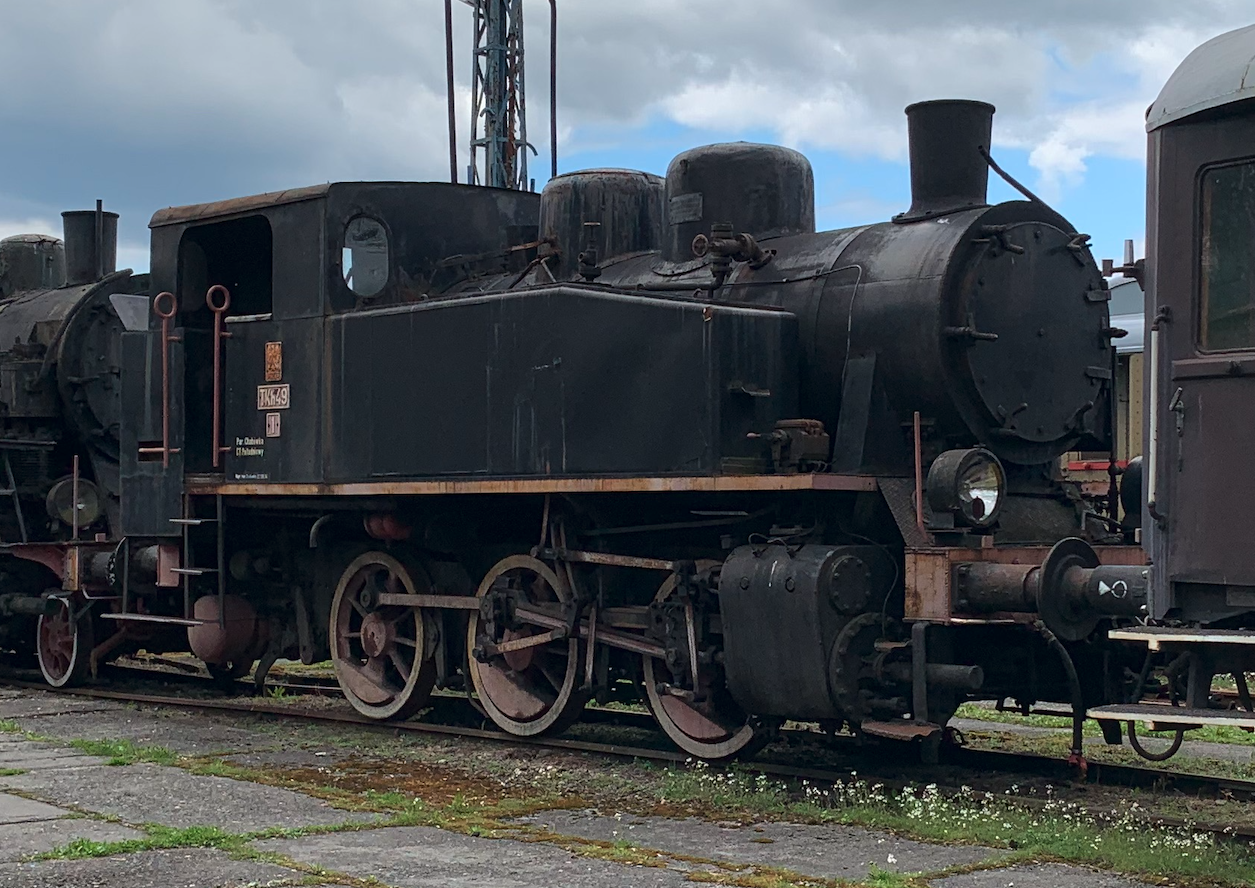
{"points": [[273, 397], [273, 424], [274, 361], [685, 208]]}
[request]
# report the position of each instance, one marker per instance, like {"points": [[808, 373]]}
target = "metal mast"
{"points": [[499, 143], [498, 97]]}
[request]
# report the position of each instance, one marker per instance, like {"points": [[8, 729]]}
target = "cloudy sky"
{"points": [[149, 103]]}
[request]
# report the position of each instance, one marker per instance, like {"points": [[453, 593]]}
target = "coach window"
{"points": [[1227, 273], [364, 257]]}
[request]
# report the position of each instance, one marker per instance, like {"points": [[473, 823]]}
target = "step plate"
{"points": [[1156, 636], [1159, 716]]}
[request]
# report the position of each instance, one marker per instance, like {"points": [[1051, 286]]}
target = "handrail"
{"points": [[219, 309], [166, 316]]}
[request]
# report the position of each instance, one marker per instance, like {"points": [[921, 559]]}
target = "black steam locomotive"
{"points": [[644, 438]]}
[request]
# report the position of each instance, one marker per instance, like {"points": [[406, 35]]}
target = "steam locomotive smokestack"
{"points": [[948, 172], [91, 245]]}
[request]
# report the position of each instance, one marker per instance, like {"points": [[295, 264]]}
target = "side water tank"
{"points": [[31, 262], [627, 204], [763, 190]]}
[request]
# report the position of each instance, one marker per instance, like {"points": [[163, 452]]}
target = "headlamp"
{"points": [[968, 485]]}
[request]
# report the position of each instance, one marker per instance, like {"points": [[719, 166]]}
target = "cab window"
{"points": [[1227, 273], [364, 256]]}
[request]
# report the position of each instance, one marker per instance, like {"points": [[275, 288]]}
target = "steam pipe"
{"points": [[100, 238], [1074, 685], [553, 88], [448, 56]]}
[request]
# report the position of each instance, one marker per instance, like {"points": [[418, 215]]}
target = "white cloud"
{"points": [[30, 225], [202, 99]]}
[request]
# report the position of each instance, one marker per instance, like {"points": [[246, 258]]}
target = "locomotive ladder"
{"points": [[11, 491], [189, 522]]}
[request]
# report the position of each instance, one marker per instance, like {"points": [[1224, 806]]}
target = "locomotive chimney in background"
{"points": [[91, 245], [948, 170]]}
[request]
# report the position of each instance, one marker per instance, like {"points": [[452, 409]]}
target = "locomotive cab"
{"points": [[252, 283]]}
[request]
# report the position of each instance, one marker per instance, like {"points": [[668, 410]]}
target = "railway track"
{"points": [[1002, 763]]}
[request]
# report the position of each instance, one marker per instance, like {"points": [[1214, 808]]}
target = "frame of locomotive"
{"points": [[638, 438]]}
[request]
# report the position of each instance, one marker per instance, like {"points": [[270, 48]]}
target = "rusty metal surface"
{"points": [[455, 602], [927, 578], [611, 560], [202, 484], [622, 640], [899, 730], [234, 206], [930, 575]]}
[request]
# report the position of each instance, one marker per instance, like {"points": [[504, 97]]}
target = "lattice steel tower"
{"points": [[498, 97], [499, 145]]}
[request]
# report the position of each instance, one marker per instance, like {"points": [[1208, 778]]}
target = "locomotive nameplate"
{"points": [[273, 397], [274, 361], [685, 208]]}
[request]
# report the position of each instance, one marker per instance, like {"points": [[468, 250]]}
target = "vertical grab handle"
{"points": [[219, 309], [166, 314], [1152, 450]]}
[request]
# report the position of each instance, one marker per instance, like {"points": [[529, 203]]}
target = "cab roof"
{"points": [[195, 212], [1217, 73]]}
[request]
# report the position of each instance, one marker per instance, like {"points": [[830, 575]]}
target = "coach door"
{"points": [[1206, 408]]}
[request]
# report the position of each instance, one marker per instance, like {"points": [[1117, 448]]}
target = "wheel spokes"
{"points": [[702, 720], [378, 653], [525, 690]]}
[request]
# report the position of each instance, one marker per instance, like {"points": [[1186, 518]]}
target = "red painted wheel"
{"points": [[704, 721], [531, 690], [380, 652], [63, 645]]}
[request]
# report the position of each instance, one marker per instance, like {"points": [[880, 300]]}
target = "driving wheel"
{"points": [[380, 651], [523, 668]]}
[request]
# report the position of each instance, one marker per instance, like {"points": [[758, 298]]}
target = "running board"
{"points": [[1162, 717]]}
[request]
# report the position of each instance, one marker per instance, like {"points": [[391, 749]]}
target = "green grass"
{"points": [[879, 878], [158, 837], [125, 752], [11, 772], [1044, 828]]}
